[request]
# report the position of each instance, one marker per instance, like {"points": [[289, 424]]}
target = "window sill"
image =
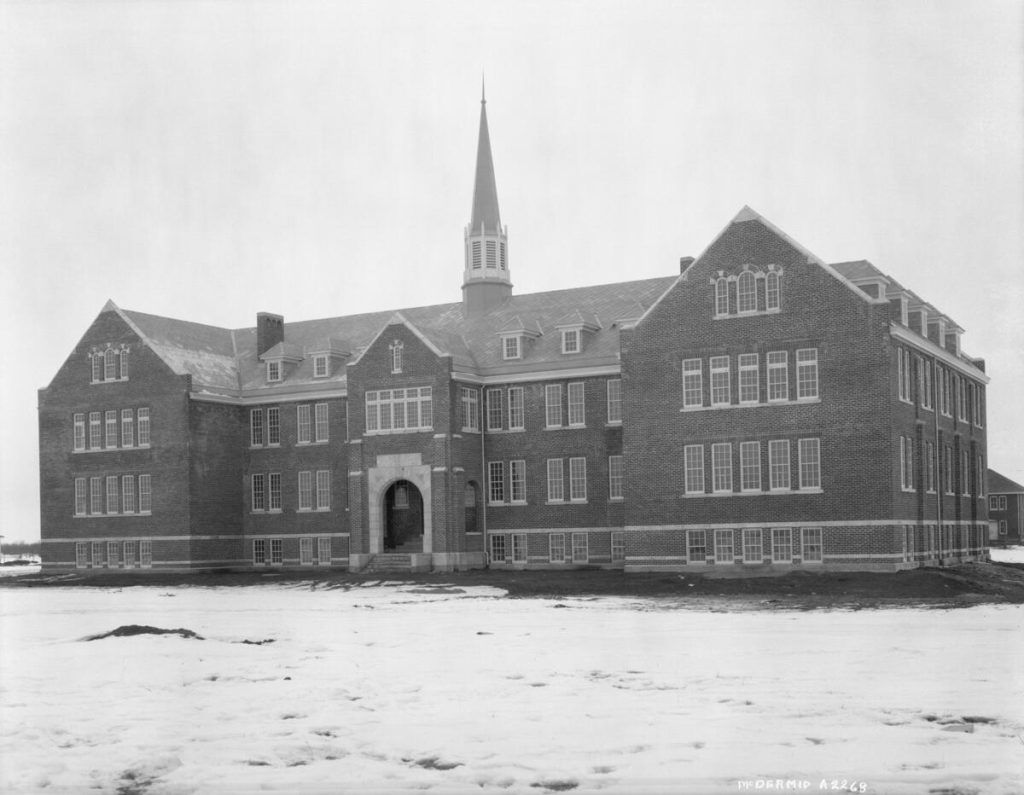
{"points": [[389, 432], [616, 499], [769, 493], [613, 424], [768, 404], [109, 381]]}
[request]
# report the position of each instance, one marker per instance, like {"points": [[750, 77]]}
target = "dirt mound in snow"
{"points": [[129, 630]]}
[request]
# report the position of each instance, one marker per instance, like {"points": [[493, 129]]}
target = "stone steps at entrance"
{"points": [[389, 561]]}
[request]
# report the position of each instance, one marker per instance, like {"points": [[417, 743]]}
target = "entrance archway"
{"points": [[403, 518]]}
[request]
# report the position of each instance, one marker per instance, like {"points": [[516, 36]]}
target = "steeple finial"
{"points": [[483, 90]]}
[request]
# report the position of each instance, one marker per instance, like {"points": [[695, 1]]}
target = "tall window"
{"points": [[556, 480], [396, 356], [965, 487], [496, 481], [274, 425], [80, 497], [498, 549], [945, 396], [778, 375], [274, 482], [577, 410], [693, 462], [391, 410], [948, 475], [321, 425], [753, 551], [109, 365], [720, 380], [906, 463], [111, 494], [782, 545], [306, 551], [516, 418], [259, 552], [94, 430], [961, 398], [746, 294], [807, 373], [95, 495], [494, 418], [111, 426], [810, 463], [553, 405], [979, 407], [696, 546], [778, 464], [693, 386], [323, 490], [470, 409], [925, 372], [578, 479], [772, 292], [749, 381], [614, 400], [750, 466], [124, 364], [256, 427], [580, 550], [721, 296], [143, 416], [304, 434], [519, 547], [721, 467], [811, 552], [145, 494], [79, 420], [929, 454], [128, 494], [556, 548], [127, 428], [323, 551], [259, 493], [97, 367], [615, 477], [723, 546], [618, 546], [979, 476], [305, 491], [517, 480]]}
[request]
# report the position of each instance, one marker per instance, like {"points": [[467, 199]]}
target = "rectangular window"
{"points": [[398, 410], [494, 418], [553, 406], [320, 368], [128, 494], [809, 451], [811, 550], [111, 494], [276, 550], [143, 416], [1002, 503], [946, 393], [965, 487], [510, 347], [81, 497], [306, 551], [79, 432], [782, 545], [979, 407], [993, 503], [929, 454], [97, 554], [145, 494], [750, 387], [721, 467], [274, 370], [578, 479], [516, 417], [614, 400], [778, 376], [259, 494], [577, 410], [304, 425], [906, 463], [750, 466], [618, 547], [806, 373], [95, 431], [130, 554], [470, 409], [322, 426], [519, 547], [556, 485], [580, 551], [97, 368], [259, 552], [571, 340], [497, 549], [127, 428], [323, 490], [274, 483], [696, 546], [720, 381], [961, 399], [925, 386], [517, 480], [496, 481], [274, 425], [95, 495], [753, 551], [724, 551], [111, 426], [306, 491], [693, 462], [145, 554], [693, 383], [124, 364], [556, 548], [949, 477], [109, 365], [113, 553], [256, 427], [778, 464], [323, 551], [615, 477], [81, 555]]}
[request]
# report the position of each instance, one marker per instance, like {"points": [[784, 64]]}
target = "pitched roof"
{"points": [[1000, 484]]}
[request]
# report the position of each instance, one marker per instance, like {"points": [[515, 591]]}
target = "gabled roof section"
{"points": [[860, 270], [1000, 484], [398, 319], [576, 318], [283, 350], [516, 325]]}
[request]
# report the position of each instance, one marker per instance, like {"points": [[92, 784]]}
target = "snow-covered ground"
{"points": [[398, 688], [1008, 554]]}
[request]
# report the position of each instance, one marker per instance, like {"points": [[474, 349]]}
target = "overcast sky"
{"points": [[209, 160]]}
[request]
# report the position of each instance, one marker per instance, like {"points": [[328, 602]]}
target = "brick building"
{"points": [[1005, 509], [759, 409]]}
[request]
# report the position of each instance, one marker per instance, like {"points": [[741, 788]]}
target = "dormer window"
{"points": [[396, 356], [511, 347], [274, 370], [321, 366], [571, 340]]}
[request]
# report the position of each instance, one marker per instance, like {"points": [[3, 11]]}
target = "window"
{"points": [[925, 385], [753, 552], [519, 547], [129, 554], [993, 502], [517, 481], [516, 419], [127, 428], [494, 418], [501, 250], [807, 373], [778, 376], [113, 551], [720, 381], [580, 552], [111, 494], [906, 463], [903, 374], [256, 427], [782, 545], [274, 482], [746, 294], [571, 340], [948, 469], [111, 429], [749, 380], [477, 257], [401, 496], [578, 479], [929, 454], [274, 425], [750, 466], [395, 410], [693, 384], [81, 502], [304, 433], [276, 550], [809, 451], [321, 369], [94, 430], [1002, 503], [323, 490], [772, 291], [945, 393], [721, 467], [811, 550], [721, 296], [143, 416], [965, 487], [778, 464], [259, 496], [1002, 527], [128, 494], [396, 356], [614, 400], [696, 546], [498, 548], [306, 551], [496, 482], [723, 546], [556, 486], [109, 365], [274, 370], [510, 347], [321, 424], [323, 551], [618, 547], [556, 548], [553, 405], [693, 462], [961, 399], [305, 491], [81, 555], [145, 554], [97, 554], [95, 495], [492, 253], [979, 406], [615, 477], [79, 424], [577, 410], [145, 494], [979, 476], [470, 409], [124, 364], [97, 368]]}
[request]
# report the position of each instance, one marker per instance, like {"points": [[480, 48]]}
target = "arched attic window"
{"points": [[109, 365], [772, 290], [746, 292], [721, 296]]}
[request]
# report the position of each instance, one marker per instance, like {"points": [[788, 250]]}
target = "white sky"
{"points": [[208, 160]]}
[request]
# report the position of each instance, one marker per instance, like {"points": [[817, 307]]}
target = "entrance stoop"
{"points": [[398, 562]]}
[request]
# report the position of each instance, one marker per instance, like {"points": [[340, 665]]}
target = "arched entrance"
{"points": [[403, 518]]}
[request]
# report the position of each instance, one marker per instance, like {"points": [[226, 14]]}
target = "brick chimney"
{"points": [[684, 263], [269, 331]]}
